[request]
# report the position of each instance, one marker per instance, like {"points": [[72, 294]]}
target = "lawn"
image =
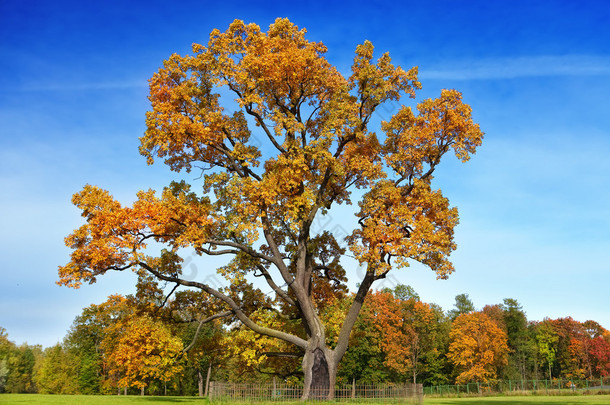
{"points": [[530, 399], [10, 399]]}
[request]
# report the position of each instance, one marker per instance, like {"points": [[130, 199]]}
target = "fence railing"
{"points": [[602, 384], [403, 393]]}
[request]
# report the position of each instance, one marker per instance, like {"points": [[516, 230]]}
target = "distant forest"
{"points": [[170, 346]]}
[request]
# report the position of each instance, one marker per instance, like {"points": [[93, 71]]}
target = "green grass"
{"points": [[530, 399], [10, 399]]}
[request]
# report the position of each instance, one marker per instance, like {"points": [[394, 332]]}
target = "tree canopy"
{"points": [[294, 139]]}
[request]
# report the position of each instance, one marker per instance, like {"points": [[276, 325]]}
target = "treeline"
{"points": [[147, 342]]}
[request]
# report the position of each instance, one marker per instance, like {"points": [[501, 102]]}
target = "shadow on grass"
{"points": [[175, 400]]}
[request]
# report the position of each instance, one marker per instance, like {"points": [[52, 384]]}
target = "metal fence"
{"points": [[387, 393], [601, 384]]}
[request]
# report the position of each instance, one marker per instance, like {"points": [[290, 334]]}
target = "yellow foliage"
{"points": [[139, 348]]}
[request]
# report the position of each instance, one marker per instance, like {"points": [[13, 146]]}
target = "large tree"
{"points": [[300, 142]]}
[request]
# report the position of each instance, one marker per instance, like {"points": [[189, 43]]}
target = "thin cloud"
{"points": [[510, 68], [85, 86]]}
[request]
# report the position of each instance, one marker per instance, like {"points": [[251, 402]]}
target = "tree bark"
{"points": [[200, 382], [317, 375], [207, 379]]}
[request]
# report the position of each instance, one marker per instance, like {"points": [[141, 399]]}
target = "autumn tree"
{"points": [[364, 359], [600, 352], [478, 347], [296, 141], [141, 349], [409, 331]]}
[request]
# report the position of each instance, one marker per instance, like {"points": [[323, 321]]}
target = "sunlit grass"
{"points": [[10, 399], [530, 399]]}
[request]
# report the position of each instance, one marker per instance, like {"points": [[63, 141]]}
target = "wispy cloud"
{"points": [[85, 86], [509, 68]]}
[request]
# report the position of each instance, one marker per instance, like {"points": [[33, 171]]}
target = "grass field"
{"points": [[10, 399]]}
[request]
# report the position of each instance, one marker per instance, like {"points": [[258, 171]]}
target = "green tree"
{"points": [[58, 373], [403, 292], [463, 305], [546, 339], [6, 349], [301, 142], [364, 359], [516, 324], [21, 362]]}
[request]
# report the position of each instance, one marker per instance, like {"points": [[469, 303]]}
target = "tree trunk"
{"points": [[320, 371], [200, 382], [207, 380], [319, 362]]}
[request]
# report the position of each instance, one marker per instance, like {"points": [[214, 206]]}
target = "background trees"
{"points": [[397, 338]]}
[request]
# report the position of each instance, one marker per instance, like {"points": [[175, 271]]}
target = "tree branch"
{"points": [[235, 308], [273, 285], [203, 321], [352, 314]]}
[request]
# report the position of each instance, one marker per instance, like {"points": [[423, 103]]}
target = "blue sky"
{"points": [[534, 201]]}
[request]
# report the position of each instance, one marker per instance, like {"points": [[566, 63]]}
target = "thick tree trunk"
{"points": [[319, 362], [320, 370], [317, 376]]}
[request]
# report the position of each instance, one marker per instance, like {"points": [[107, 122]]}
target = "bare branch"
{"points": [[273, 285], [203, 321]]}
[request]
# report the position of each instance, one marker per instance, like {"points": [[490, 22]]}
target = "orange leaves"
{"points": [[415, 223], [115, 236], [404, 218], [415, 144], [407, 330], [478, 347]]}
